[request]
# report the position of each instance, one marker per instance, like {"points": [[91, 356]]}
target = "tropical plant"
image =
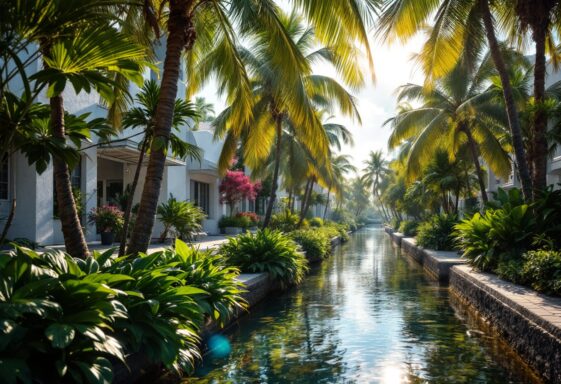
{"points": [[316, 244], [235, 221], [57, 321], [285, 221], [456, 110], [408, 227], [542, 271], [107, 218], [142, 116], [205, 111], [316, 222], [375, 170], [437, 232], [266, 251], [496, 236], [206, 270], [196, 27], [182, 219]]}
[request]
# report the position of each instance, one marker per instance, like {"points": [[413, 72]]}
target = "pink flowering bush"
{"points": [[107, 218], [235, 187]]}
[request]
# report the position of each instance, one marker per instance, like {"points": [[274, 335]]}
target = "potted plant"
{"points": [[108, 220], [253, 220], [233, 225]]}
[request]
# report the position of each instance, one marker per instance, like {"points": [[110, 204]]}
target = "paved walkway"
{"points": [[207, 242]]}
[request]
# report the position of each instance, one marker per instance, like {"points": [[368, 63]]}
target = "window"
{"points": [[200, 194], [4, 177]]}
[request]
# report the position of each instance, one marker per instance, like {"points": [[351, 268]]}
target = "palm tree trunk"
{"points": [[327, 203], [128, 209], [513, 120], [74, 239], [306, 204], [289, 198], [474, 153], [274, 186], [539, 145], [181, 35], [305, 196]]}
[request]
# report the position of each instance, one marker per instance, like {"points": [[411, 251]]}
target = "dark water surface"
{"points": [[366, 315]]}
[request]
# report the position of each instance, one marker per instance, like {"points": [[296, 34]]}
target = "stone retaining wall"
{"points": [[396, 238], [437, 264], [528, 321]]}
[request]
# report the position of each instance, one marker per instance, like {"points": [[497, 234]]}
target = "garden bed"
{"points": [[529, 321]]}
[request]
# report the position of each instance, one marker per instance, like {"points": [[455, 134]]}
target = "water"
{"points": [[367, 315]]}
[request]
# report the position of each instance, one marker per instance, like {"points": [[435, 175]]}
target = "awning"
{"points": [[127, 151]]}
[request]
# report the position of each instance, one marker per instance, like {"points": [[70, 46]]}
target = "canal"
{"points": [[366, 315]]}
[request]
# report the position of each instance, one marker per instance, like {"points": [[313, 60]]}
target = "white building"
{"points": [[103, 174], [553, 164]]}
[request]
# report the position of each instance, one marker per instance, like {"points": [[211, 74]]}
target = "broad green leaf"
{"points": [[60, 335]]}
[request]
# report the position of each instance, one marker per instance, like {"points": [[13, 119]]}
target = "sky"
{"points": [[376, 101]]}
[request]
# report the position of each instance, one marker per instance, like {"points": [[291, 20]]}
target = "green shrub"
{"points": [[235, 221], [316, 222], [408, 227], [542, 271], [395, 223], [285, 221], [511, 270], [436, 232], [66, 319], [268, 251], [316, 244], [56, 321], [498, 235], [182, 219]]}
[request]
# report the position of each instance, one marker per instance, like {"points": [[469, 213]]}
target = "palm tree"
{"points": [[340, 166], [86, 57], [197, 26], [205, 111], [460, 27], [542, 19], [277, 102], [457, 109], [375, 171], [142, 116]]}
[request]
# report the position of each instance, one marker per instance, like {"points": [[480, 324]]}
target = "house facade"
{"points": [[554, 161], [103, 174]]}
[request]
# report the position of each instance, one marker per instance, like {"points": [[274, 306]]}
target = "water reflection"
{"points": [[368, 315]]}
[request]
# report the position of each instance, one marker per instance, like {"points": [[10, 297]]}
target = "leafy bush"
{"points": [[408, 227], [395, 223], [316, 222], [285, 221], [181, 219], [267, 251], [251, 216], [436, 232], [542, 271], [56, 322], [107, 218], [66, 319], [234, 221], [316, 244], [496, 236]]}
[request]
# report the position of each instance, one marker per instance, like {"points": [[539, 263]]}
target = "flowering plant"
{"points": [[235, 187], [107, 218]]}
